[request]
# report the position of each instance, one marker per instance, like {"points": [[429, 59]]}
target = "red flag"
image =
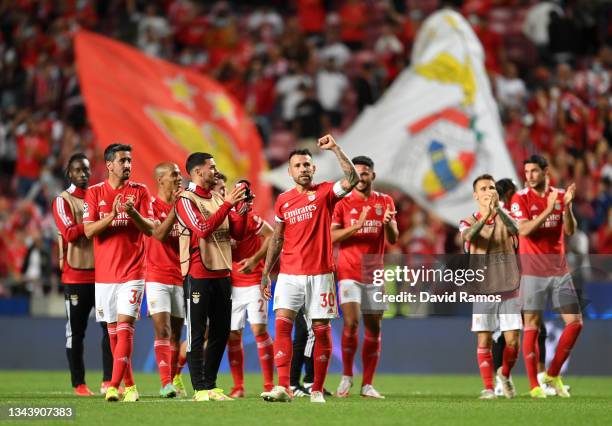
{"points": [[166, 112]]}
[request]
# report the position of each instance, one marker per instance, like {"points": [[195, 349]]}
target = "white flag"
{"points": [[435, 129]]}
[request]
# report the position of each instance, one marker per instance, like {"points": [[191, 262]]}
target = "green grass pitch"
{"points": [[417, 400]]}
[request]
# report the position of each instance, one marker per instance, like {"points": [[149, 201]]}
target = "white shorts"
{"points": [[248, 301], [352, 291], [535, 292], [165, 298], [492, 316], [316, 293], [113, 299]]}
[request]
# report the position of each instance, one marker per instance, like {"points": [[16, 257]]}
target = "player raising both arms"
{"points": [[302, 233], [544, 214], [490, 234], [163, 279], [77, 265], [116, 214], [361, 222], [248, 262]]}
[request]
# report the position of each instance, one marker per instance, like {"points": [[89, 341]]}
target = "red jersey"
{"points": [[71, 231], [119, 248], [190, 216], [245, 248], [163, 264], [547, 240], [307, 249], [369, 240]]}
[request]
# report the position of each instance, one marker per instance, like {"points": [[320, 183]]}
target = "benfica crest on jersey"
{"points": [[131, 198], [378, 209], [311, 195]]}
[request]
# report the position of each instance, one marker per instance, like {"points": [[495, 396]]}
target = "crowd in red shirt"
{"points": [[561, 110]]}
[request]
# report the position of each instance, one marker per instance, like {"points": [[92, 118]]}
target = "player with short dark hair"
{"points": [[362, 223], [207, 224], [490, 234], [303, 219], [163, 280], [544, 215], [78, 276], [117, 215]]}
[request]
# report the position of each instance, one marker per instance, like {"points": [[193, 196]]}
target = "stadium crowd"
{"points": [[301, 68]]}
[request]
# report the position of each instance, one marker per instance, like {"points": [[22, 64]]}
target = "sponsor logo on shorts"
{"points": [[100, 312], [74, 299]]}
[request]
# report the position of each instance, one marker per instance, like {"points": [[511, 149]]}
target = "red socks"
{"points": [[509, 359], [112, 335], [531, 355], [485, 363], [565, 345], [322, 354], [266, 359], [163, 356], [235, 356], [370, 354], [349, 348], [283, 350], [122, 364], [174, 354], [181, 361]]}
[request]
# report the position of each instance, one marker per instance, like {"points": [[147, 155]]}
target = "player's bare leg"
{"points": [[283, 351], [573, 325], [532, 321], [163, 353], [509, 357], [370, 354], [350, 339], [485, 363], [235, 357]]}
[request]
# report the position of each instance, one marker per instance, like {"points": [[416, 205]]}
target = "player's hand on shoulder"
{"points": [[327, 142], [570, 192]]}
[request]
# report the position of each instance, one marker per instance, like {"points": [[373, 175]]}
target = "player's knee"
{"points": [[163, 332], [258, 329], [235, 335], [512, 341], [351, 323]]}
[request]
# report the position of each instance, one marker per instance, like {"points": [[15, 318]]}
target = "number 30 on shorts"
{"points": [[136, 297], [328, 299]]}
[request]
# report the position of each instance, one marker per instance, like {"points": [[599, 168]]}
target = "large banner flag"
{"points": [[435, 129], [166, 112]]}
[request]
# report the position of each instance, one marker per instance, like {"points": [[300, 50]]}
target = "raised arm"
{"points": [[351, 178], [274, 250], [569, 220]]}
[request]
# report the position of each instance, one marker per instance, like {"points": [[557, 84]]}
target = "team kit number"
{"points": [[136, 297], [328, 299]]}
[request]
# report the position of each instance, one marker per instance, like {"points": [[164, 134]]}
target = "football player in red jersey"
{"points": [[117, 214], [77, 265], [544, 215], [302, 233], [362, 222], [247, 265], [163, 279]]}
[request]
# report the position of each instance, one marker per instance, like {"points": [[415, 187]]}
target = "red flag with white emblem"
{"points": [[166, 112]]}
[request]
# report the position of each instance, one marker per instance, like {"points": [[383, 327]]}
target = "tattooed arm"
{"points": [[351, 178]]}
